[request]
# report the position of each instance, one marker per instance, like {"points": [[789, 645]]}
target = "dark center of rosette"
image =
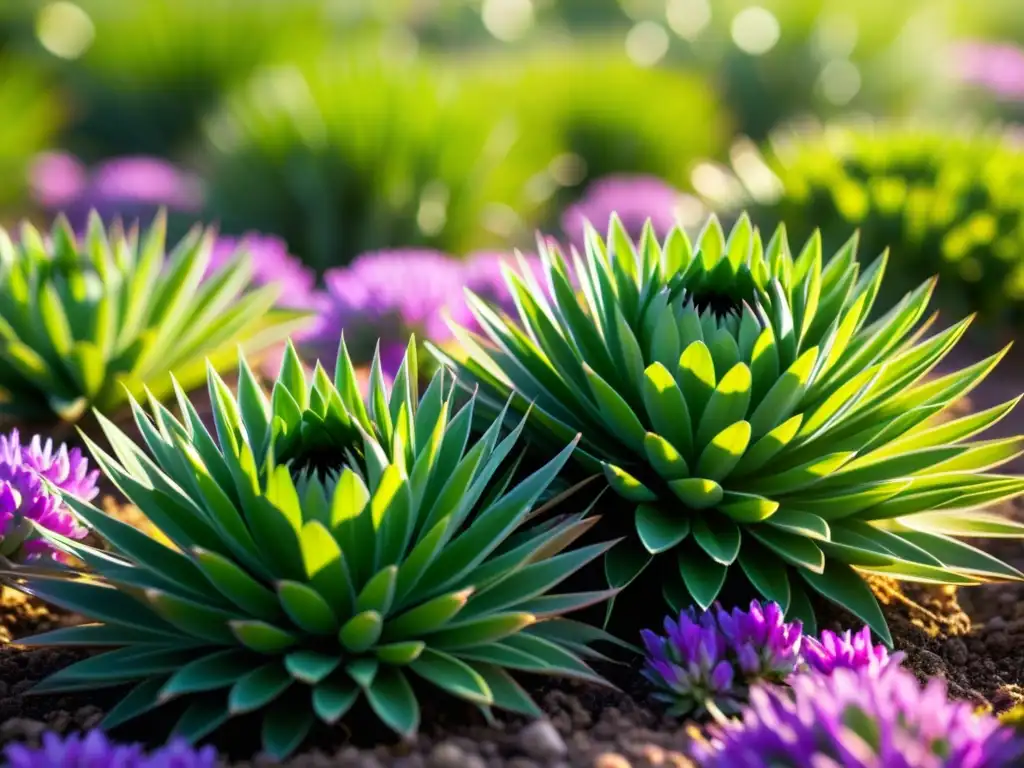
{"points": [[322, 452], [722, 293], [721, 305]]}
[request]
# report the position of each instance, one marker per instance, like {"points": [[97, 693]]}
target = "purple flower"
{"points": [[634, 198], [847, 651], [138, 180], [998, 68], [708, 661], [68, 470], [271, 264], [95, 750], [386, 295], [24, 496], [57, 179], [131, 188], [858, 719]]}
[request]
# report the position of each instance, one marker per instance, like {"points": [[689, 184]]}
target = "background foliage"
{"points": [[352, 125]]}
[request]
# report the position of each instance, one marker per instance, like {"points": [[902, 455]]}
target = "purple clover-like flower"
{"points": [[25, 497], [95, 750], [856, 718], [847, 651], [386, 295], [634, 198], [708, 661]]}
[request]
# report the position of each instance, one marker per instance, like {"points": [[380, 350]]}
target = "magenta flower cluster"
{"points": [[715, 657], [95, 750], [996, 67], [388, 295], [32, 476], [708, 661], [847, 651], [858, 718], [132, 187], [635, 199]]}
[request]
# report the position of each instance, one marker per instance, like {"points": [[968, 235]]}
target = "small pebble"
{"points": [[612, 760], [21, 729], [541, 741], [446, 755]]}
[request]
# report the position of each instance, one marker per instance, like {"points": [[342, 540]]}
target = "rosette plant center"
{"points": [[85, 320], [326, 554], [739, 398]]}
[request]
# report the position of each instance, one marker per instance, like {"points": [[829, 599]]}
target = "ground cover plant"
{"points": [[322, 553], [944, 202], [739, 397]]}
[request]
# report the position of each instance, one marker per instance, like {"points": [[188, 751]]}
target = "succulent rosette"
{"points": [[85, 320], [323, 552], [707, 661], [96, 750], [849, 650], [758, 422], [859, 719]]}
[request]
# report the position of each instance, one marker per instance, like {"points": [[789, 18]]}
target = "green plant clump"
{"points": [[740, 399], [352, 154], [324, 553], [585, 110], [84, 321], [152, 70], [947, 203], [33, 119]]}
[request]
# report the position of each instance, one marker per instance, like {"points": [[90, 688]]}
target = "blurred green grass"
{"points": [[354, 125]]}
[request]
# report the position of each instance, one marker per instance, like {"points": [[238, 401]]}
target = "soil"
{"points": [[973, 638]]}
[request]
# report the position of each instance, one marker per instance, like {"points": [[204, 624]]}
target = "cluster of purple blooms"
{"points": [[859, 718], [386, 296], [708, 661], [847, 651], [130, 188], [32, 477], [95, 750], [390, 294], [998, 68], [635, 199], [807, 702]]}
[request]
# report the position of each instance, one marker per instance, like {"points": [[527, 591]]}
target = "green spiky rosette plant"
{"points": [[85, 320], [324, 553], [737, 397]]}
